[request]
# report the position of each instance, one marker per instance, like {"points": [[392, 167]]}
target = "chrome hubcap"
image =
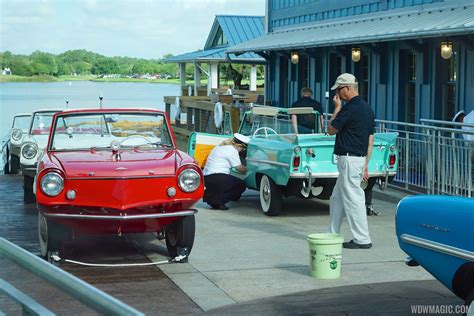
{"points": [[266, 192]]}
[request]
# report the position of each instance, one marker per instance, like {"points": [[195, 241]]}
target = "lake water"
{"points": [[29, 96]]}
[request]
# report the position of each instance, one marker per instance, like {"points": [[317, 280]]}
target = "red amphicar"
{"points": [[114, 171]]}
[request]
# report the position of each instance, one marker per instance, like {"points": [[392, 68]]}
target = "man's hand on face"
{"points": [[337, 102]]}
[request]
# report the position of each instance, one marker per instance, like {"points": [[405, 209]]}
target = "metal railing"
{"points": [[84, 292], [432, 159]]}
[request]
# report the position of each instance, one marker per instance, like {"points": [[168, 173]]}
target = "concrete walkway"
{"points": [[241, 256]]}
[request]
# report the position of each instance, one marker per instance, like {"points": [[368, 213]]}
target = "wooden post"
{"points": [[214, 74], [235, 118], [253, 78], [182, 76], [197, 78], [168, 110]]}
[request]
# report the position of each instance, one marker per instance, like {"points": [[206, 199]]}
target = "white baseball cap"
{"points": [[457, 115], [241, 139], [344, 80]]}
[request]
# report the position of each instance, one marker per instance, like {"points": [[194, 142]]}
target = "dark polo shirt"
{"points": [[355, 122], [306, 122]]}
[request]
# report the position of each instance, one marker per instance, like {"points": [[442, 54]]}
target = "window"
{"points": [[362, 75], [283, 82], [410, 88], [449, 88], [220, 39], [303, 80]]}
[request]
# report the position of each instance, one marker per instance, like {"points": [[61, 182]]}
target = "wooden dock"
{"points": [[145, 288]]}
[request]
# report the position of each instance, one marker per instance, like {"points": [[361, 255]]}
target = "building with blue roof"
{"points": [[226, 31], [413, 58]]}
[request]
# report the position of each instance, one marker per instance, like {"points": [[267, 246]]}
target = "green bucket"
{"points": [[325, 255]]}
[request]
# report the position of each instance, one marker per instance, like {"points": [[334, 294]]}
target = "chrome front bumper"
{"points": [[123, 217]]}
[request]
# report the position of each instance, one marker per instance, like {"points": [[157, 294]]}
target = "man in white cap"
{"points": [[221, 186], [461, 117], [353, 124]]}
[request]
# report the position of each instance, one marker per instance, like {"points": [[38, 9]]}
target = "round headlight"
{"points": [[52, 184], [189, 180], [29, 150], [16, 134]]}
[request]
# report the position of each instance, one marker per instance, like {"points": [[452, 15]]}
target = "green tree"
{"points": [[140, 67], [39, 68], [64, 68], [81, 67], [105, 66], [21, 66], [5, 59], [43, 63]]}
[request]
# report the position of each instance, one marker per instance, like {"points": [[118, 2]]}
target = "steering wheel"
{"points": [[148, 141], [266, 130]]}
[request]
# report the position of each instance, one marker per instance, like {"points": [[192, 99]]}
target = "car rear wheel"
{"points": [[14, 164], [271, 199], [50, 237], [180, 234]]}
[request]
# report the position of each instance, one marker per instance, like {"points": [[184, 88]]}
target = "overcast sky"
{"points": [[134, 28]]}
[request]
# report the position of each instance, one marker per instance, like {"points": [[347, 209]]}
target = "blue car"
{"points": [[437, 232]]}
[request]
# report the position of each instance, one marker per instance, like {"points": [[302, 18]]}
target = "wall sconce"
{"points": [[446, 49], [355, 54], [294, 57]]}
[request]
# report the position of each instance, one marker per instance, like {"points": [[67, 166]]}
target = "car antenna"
{"points": [[67, 103], [100, 99]]}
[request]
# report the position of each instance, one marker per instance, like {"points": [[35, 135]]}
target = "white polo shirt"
{"points": [[221, 159]]}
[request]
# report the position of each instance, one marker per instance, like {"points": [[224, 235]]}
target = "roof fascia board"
{"points": [[360, 41], [212, 33]]}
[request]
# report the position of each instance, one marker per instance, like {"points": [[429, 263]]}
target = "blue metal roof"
{"points": [[237, 29], [440, 19]]}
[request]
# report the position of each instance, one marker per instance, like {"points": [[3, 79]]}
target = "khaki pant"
{"points": [[348, 199]]}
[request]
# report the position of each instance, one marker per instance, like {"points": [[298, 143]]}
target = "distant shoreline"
{"points": [[13, 78]]}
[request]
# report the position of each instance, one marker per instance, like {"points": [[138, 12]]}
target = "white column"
{"points": [[213, 80], [253, 78], [197, 78], [182, 75]]}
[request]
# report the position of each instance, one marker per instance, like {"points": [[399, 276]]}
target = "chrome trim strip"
{"points": [[122, 217], [119, 178], [438, 247], [270, 162], [299, 175]]}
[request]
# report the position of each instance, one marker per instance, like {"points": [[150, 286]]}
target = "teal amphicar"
{"points": [[283, 163], [437, 232]]}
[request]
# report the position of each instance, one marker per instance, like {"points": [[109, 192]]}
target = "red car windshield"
{"points": [[105, 130]]}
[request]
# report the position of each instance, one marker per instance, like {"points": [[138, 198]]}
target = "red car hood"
{"points": [[100, 164]]}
